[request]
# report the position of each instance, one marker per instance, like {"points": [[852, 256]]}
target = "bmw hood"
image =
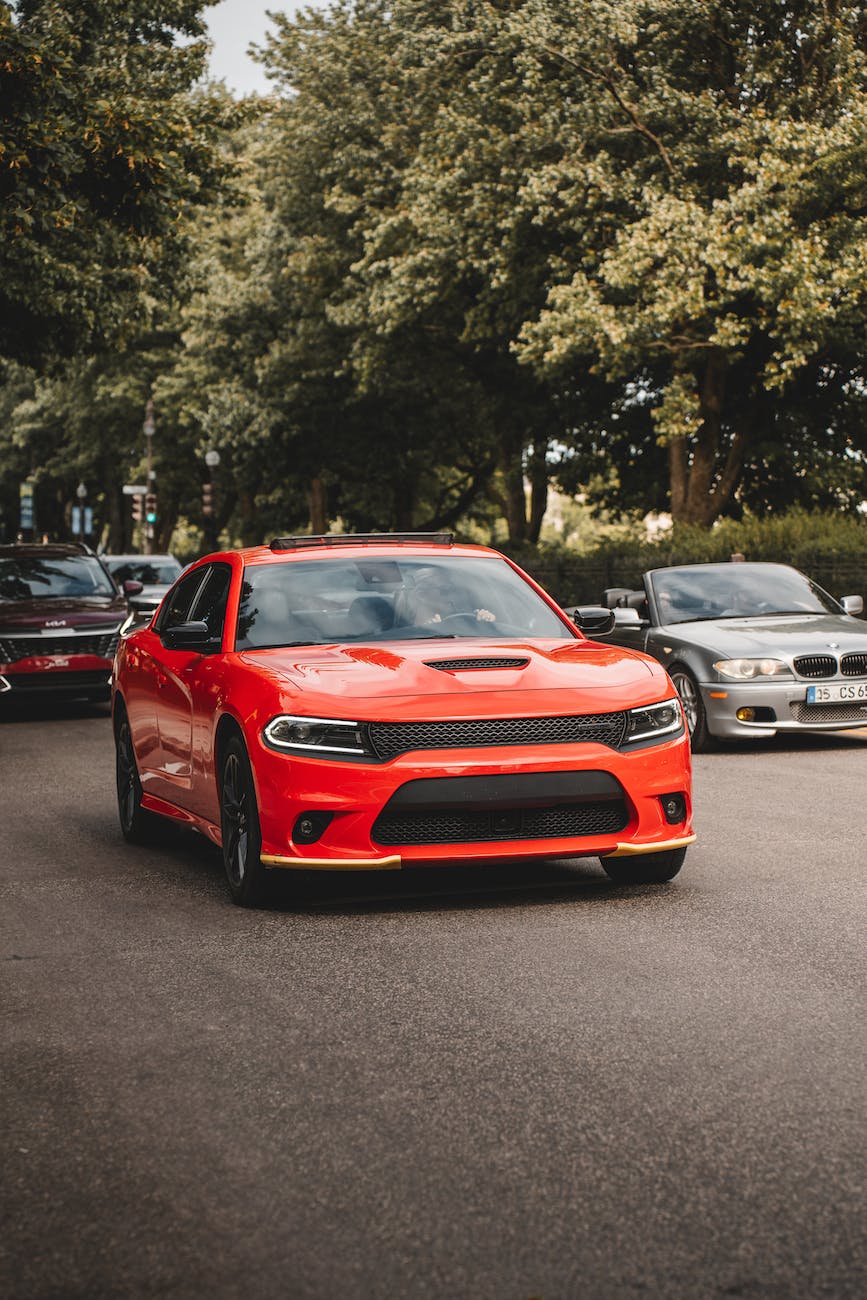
{"points": [[786, 636]]}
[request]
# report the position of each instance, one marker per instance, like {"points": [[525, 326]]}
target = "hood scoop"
{"points": [[461, 665]]}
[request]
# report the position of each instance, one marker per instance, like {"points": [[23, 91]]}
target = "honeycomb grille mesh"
{"points": [[828, 712], [392, 738], [462, 826]]}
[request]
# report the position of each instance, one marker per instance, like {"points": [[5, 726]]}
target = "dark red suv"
{"points": [[60, 619]]}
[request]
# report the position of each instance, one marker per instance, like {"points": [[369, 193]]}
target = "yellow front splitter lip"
{"points": [[393, 863], [661, 846]]}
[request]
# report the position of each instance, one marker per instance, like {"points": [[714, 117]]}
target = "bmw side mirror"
{"points": [[593, 620], [188, 636], [852, 604]]}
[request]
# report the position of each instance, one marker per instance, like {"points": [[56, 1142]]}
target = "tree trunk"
{"points": [[318, 499], [538, 469], [700, 487]]}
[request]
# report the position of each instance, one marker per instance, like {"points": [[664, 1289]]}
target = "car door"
{"points": [[205, 680], [174, 672]]}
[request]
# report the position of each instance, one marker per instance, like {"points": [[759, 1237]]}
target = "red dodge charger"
{"points": [[376, 701]]}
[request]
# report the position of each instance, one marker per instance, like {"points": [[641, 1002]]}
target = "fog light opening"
{"points": [[746, 715], [310, 826], [673, 807]]}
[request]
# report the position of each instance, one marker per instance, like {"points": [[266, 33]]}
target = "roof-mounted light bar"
{"points": [[361, 539]]}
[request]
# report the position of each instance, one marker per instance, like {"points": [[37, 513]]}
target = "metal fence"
{"points": [[581, 582]]}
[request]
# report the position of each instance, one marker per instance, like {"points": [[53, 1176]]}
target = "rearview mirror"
{"points": [[628, 617], [852, 604], [132, 587], [188, 636]]}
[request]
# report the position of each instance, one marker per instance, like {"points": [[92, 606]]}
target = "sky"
{"points": [[233, 25]]}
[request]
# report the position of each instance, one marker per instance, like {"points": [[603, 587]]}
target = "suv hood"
{"points": [[82, 612]]}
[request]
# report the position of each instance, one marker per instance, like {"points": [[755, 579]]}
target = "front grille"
{"points": [[841, 713], [854, 665], [389, 739], [456, 665], [815, 665], [466, 826], [103, 644]]}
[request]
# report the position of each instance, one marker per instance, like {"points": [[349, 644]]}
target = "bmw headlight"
{"points": [[746, 670], [654, 722], [316, 735]]}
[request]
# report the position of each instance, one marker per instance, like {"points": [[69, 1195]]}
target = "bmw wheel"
{"points": [[239, 823], [645, 868], [696, 718]]}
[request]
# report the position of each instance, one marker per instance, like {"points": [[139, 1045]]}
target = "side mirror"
{"points": [[188, 636], [593, 620], [132, 587], [628, 617], [852, 604]]}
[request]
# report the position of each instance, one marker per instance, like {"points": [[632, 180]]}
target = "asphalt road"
{"points": [[495, 1084]]}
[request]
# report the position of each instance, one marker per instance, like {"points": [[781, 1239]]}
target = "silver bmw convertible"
{"points": [[752, 649]]}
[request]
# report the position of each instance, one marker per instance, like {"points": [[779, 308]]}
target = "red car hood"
{"points": [[547, 677]]}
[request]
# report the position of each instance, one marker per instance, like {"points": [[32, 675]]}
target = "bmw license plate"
{"points": [[838, 693]]}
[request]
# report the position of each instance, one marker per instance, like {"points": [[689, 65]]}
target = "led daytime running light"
{"points": [[315, 735], [654, 721]]}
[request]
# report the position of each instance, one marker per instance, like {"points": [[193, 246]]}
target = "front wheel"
{"points": [[136, 825], [239, 823], [645, 868], [696, 718]]}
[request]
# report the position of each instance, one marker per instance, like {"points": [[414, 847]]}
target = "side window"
{"points": [[210, 603], [177, 605]]}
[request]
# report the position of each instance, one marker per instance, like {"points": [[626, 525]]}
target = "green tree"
{"points": [[104, 145]]}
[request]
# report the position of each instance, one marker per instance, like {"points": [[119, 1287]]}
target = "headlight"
{"points": [[744, 670], [316, 735], [654, 722]]}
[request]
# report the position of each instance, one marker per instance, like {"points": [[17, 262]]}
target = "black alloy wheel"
{"points": [[644, 868], [136, 825], [239, 823]]}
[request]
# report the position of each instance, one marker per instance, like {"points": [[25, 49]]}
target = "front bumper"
{"points": [[779, 706], [73, 675], [354, 800]]}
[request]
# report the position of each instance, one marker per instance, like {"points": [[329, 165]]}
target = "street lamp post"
{"points": [[148, 429], [209, 509], [81, 493]]}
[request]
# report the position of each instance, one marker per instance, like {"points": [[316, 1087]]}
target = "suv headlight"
{"points": [[745, 670], [654, 722], [316, 735]]}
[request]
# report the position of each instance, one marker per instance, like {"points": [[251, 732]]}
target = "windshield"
{"points": [[736, 590], [319, 602], [34, 577], [151, 571]]}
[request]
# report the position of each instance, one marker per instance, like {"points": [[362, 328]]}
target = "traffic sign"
{"points": [[134, 489]]}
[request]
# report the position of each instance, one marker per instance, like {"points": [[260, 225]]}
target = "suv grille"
{"points": [[854, 665], [815, 665], [461, 826], [13, 648], [392, 738]]}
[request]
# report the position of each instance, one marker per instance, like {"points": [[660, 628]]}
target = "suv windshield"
{"points": [[29, 577], [318, 602]]}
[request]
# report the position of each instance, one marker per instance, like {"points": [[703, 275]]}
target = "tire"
{"points": [[239, 825], [696, 719], [644, 868], [136, 825]]}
